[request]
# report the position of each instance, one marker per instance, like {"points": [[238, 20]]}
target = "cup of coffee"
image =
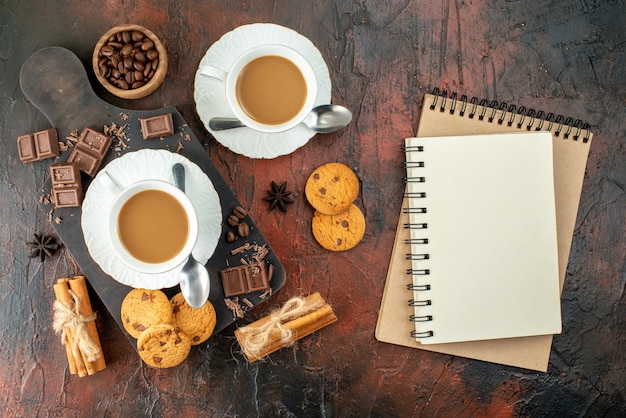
{"points": [[270, 88], [153, 226]]}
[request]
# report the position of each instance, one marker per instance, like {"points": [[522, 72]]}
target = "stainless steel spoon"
{"points": [[195, 283], [323, 119]]}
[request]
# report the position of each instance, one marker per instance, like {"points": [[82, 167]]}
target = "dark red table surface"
{"points": [[567, 56]]}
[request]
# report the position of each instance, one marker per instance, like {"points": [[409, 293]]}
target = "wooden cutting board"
{"points": [[56, 82]]}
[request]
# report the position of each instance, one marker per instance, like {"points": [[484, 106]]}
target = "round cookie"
{"points": [[142, 308], [198, 324], [332, 188], [339, 232], [163, 346]]}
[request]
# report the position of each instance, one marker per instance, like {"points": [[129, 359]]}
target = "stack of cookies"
{"points": [[165, 329], [338, 224]]}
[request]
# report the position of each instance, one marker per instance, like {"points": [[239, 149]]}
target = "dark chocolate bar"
{"points": [[157, 126], [246, 278]]}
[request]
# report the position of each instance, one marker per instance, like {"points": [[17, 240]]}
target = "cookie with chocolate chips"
{"points": [[198, 323], [142, 308], [163, 346], [332, 188], [339, 232]]}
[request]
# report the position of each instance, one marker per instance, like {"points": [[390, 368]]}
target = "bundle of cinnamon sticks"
{"points": [[74, 320], [297, 318]]}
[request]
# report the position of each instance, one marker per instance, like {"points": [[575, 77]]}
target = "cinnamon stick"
{"points": [[75, 360], [299, 327], [79, 287]]}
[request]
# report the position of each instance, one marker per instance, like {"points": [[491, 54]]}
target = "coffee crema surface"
{"points": [[271, 90], [153, 226]]}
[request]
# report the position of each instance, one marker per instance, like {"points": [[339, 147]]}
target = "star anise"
{"points": [[278, 196], [42, 246]]}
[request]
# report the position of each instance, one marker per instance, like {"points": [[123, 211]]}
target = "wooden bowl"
{"points": [[148, 87]]}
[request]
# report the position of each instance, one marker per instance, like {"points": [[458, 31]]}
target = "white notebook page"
{"points": [[492, 263]]}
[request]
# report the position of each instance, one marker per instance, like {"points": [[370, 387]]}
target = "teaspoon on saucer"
{"points": [[195, 283], [323, 119]]}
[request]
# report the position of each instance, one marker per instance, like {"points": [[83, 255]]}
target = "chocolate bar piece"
{"points": [[157, 126], [245, 279], [26, 148], [67, 196], [89, 151], [46, 143], [67, 188], [38, 146], [95, 140], [64, 173]]}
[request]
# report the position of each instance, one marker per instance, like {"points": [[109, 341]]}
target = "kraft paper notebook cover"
{"points": [[448, 116]]}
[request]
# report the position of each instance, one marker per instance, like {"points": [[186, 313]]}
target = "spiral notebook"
{"points": [[447, 115]]}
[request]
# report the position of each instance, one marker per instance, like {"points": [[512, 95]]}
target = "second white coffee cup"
{"points": [[270, 88]]}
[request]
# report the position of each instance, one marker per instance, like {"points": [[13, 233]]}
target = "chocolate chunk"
{"points": [[245, 279], [86, 161], [95, 140], [26, 148], [90, 150], [38, 146], [67, 196], [64, 174], [46, 143], [67, 189], [157, 126]]}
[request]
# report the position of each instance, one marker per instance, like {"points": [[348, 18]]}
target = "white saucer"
{"points": [[142, 165], [210, 96]]}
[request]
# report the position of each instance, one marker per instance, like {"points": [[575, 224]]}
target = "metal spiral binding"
{"points": [[424, 334], [421, 318], [419, 209], [526, 118]]}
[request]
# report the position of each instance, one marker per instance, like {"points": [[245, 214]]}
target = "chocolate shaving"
{"points": [[233, 305]]}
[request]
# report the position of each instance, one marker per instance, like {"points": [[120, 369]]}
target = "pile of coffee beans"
{"points": [[236, 219], [128, 60]]}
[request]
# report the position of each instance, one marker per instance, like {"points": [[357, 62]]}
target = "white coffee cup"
{"points": [[231, 78], [155, 226]]}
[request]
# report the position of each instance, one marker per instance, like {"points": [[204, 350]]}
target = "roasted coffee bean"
{"points": [[233, 220], [240, 212], [137, 36], [243, 229], [231, 236], [147, 45], [152, 54], [107, 51], [128, 59], [140, 56]]}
